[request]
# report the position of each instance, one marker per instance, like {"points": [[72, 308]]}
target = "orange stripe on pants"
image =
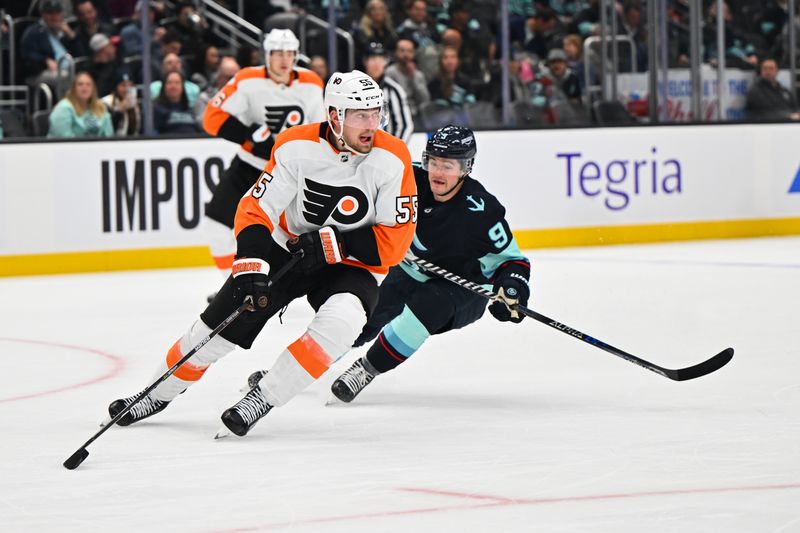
{"points": [[310, 355], [224, 262], [187, 371]]}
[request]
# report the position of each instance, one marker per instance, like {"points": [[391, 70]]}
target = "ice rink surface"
{"points": [[493, 428]]}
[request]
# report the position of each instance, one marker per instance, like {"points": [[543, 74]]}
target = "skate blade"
{"points": [[223, 433], [333, 401]]}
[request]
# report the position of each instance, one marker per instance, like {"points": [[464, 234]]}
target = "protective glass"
{"points": [[444, 165], [366, 118]]}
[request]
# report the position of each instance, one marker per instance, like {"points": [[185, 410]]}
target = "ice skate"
{"points": [[145, 408], [353, 380], [253, 379], [246, 412]]}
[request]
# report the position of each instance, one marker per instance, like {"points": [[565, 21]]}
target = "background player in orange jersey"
{"points": [[251, 110], [340, 195]]}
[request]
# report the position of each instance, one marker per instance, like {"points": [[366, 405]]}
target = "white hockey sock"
{"points": [[193, 369], [330, 334]]}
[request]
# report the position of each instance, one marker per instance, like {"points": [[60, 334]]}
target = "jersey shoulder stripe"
{"points": [[250, 73], [397, 147], [308, 76], [303, 132]]}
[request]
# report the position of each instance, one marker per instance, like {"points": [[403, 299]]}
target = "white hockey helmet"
{"points": [[281, 40], [355, 91]]}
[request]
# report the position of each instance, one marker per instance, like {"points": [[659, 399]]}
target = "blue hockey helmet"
{"points": [[452, 142]]}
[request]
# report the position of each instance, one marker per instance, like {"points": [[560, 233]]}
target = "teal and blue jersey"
{"points": [[467, 235]]}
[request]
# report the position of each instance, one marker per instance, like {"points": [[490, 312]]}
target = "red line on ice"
{"points": [[501, 501], [116, 369]]}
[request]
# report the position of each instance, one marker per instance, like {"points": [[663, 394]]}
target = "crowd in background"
{"points": [[443, 53]]}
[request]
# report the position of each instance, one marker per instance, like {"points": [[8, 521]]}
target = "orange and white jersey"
{"points": [[251, 99], [308, 184]]}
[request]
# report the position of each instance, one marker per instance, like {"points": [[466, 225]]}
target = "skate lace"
{"points": [[357, 377], [252, 407], [145, 407]]}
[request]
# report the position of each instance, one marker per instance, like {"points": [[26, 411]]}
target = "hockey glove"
{"points": [[510, 291], [250, 279], [318, 248], [262, 140]]}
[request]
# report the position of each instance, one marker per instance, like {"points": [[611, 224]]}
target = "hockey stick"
{"points": [[681, 374], [82, 453]]}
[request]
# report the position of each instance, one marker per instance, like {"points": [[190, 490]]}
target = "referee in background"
{"points": [[401, 124]]}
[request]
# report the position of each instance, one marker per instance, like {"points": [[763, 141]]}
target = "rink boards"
{"points": [[121, 205]]}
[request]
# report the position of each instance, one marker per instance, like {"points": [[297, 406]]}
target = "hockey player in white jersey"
{"points": [[341, 195], [251, 110]]}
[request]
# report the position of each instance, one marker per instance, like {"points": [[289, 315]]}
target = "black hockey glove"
{"points": [[318, 248], [250, 279], [510, 291], [262, 141]]}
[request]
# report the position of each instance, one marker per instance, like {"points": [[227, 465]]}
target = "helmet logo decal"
{"points": [[277, 118], [345, 205], [337, 80]]}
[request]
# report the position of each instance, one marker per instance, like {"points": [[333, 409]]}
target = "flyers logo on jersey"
{"points": [[346, 205], [280, 117]]}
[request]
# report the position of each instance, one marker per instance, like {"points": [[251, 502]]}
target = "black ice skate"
{"points": [[247, 411], [145, 408], [352, 382]]}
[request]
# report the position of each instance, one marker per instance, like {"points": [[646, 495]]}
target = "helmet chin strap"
{"points": [[342, 142], [460, 180]]}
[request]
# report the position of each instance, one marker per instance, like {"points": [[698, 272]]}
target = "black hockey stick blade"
{"points": [[681, 374], [701, 369], [76, 459]]}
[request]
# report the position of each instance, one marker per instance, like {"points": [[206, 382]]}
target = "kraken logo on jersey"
{"points": [[280, 117], [346, 205]]}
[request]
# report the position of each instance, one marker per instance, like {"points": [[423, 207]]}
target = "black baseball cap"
{"points": [[375, 49], [50, 6]]}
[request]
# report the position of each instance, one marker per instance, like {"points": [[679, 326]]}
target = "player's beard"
{"points": [[360, 141]]}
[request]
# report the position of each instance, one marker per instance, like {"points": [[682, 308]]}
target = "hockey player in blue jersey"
{"points": [[461, 227]]}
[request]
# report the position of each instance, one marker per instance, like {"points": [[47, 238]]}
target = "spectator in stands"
{"points": [[121, 8], [171, 111], [401, 125], [105, 67], [228, 67], [404, 71], [543, 33], [249, 56], [122, 103], [89, 25], [45, 43], [565, 83], [587, 22], [739, 51], [170, 43], [375, 26], [767, 99], [633, 27], [205, 66], [191, 28], [563, 90], [573, 48], [416, 27], [450, 87], [80, 113], [173, 63], [474, 53], [131, 34], [319, 65]]}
